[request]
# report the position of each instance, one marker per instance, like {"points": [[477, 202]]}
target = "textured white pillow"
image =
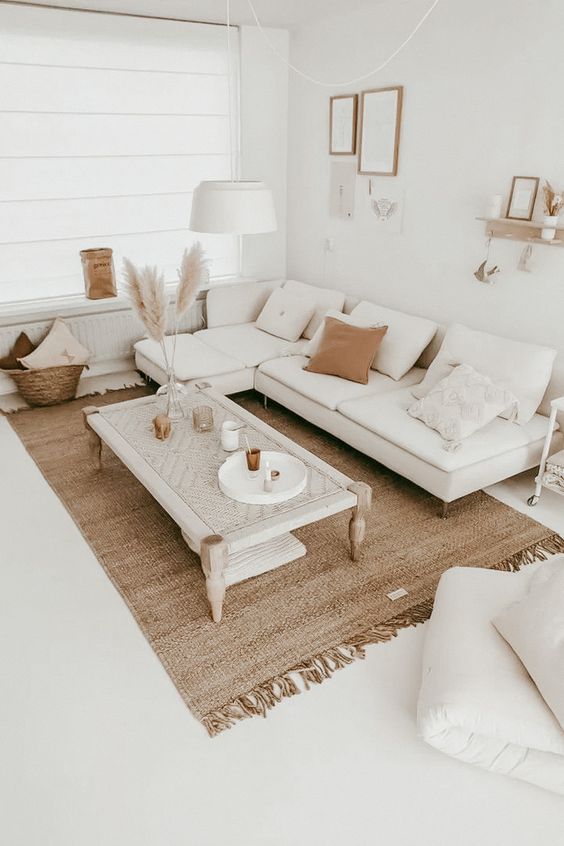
{"points": [[534, 628], [284, 315], [59, 347], [524, 369], [322, 299], [312, 348], [405, 340], [461, 404]]}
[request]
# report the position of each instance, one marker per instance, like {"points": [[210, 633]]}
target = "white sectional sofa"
{"points": [[234, 355]]}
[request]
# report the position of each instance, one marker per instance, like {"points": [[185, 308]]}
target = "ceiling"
{"points": [[278, 13]]}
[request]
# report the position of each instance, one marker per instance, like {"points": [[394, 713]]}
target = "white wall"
{"points": [[482, 102], [264, 142]]}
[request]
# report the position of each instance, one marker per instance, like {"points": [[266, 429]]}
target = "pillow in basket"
{"points": [[461, 404], [21, 348], [58, 348]]}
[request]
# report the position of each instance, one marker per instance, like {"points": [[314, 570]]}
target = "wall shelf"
{"points": [[521, 230]]}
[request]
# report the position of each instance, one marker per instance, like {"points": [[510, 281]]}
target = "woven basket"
{"points": [[49, 386]]}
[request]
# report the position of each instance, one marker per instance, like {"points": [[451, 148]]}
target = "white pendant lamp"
{"points": [[234, 207], [237, 208]]}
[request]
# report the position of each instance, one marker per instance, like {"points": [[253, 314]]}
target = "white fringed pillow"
{"points": [[461, 404], [534, 628], [285, 315], [58, 348]]}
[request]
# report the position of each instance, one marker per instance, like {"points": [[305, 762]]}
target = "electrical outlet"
{"points": [[329, 245]]}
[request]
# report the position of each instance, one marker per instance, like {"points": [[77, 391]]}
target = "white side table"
{"points": [[551, 469]]}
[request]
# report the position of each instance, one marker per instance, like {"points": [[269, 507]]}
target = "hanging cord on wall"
{"points": [[229, 91], [349, 81]]}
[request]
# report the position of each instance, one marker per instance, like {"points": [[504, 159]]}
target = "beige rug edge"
{"points": [[265, 696]]}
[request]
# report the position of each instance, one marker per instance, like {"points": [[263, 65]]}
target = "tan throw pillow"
{"points": [[285, 315], [21, 348], [58, 348], [346, 351]]}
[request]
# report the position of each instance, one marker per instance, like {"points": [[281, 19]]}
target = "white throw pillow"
{"points": [[322, 299], [524, 369], [534, 628], [284, 315], [461, 404], [59, 347], [312, 348], [228, 305], [405, 340]]}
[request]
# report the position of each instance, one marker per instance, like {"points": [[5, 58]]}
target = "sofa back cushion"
{"points": [[284, 315], [405, 340], [321, 300], [523, 369], [228, 305]]}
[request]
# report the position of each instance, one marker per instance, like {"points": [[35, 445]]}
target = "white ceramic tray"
{"points": [[235, 482]]}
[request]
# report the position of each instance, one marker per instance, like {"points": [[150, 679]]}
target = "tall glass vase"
{"points": [[170, 397]]}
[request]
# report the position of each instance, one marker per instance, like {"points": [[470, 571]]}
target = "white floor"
{"points": [[97, 748]]}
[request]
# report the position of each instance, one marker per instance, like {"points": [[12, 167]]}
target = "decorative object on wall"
{"points": [[342, 124], [380, 120], [522, 197], [342, 189], [387, 207], [98, 272], [146, 289], [525, 259], [553, 205], [482, 274]]}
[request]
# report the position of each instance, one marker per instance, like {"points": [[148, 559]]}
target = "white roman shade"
{"points": [[108, 125]]}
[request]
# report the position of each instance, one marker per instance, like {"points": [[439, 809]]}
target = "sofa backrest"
{"points": [[227, 305]]}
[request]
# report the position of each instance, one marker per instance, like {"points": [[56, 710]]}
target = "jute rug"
{"points": [[292, 627]]}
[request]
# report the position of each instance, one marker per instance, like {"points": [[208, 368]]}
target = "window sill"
{"points": [[77, 305]]}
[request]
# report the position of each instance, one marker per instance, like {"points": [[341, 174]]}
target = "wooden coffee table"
{"points": [[234, 541]]}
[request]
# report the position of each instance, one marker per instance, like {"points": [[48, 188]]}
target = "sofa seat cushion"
{"points": [[246, 343], [329, 391], [387, 416], [193, 359]]}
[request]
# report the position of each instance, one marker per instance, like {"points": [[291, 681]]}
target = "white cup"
{"points": [[230, 435]]}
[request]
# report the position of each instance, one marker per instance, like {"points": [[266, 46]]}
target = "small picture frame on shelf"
{"points": [[522, 197], [342, 124]]}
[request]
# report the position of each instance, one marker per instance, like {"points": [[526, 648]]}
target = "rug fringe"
{"points": [[319, 668], [316, 670]]}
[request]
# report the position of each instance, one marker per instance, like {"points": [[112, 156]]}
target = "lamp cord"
{"points": [[229, 90], [349, 81]]}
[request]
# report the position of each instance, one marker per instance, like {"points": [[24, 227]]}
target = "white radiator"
{"points": [[108, 335]]}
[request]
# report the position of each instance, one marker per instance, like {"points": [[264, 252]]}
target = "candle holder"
{"points": [[202, 418]]}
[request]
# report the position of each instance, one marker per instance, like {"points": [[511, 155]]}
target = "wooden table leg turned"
{"points": [[357, 525], [214, 556], [94, 440]]}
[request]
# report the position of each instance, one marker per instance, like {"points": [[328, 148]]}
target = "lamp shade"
{"points": [[236, 208]]}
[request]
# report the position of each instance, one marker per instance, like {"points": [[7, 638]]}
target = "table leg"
{"points": [[94, 440], [357, 525], [214, 556]]}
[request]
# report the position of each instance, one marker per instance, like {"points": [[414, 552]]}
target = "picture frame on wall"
{"points": [[522, 197], [380, 123], [343, 115]]}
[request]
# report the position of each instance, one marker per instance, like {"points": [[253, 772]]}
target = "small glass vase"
{"points": [[169, 398]]}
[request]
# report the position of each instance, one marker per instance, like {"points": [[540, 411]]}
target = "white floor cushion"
{"points": [[388, 418], [193, 359], [477, 702], [248, 344], [329, 391]]}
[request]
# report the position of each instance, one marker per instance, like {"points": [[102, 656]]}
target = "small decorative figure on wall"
{"points": [[387, 207], [525, 258], [384, 208], [482, 274]]}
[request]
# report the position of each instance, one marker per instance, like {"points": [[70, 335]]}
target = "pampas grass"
{"points": [[553, 200], [145, 287]]}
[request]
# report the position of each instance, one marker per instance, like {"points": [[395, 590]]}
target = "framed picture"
{"points": [[380, 120], [522, 197], [342, 125]]}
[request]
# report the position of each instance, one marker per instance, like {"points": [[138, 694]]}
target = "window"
{"points": [[107, 125]]}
